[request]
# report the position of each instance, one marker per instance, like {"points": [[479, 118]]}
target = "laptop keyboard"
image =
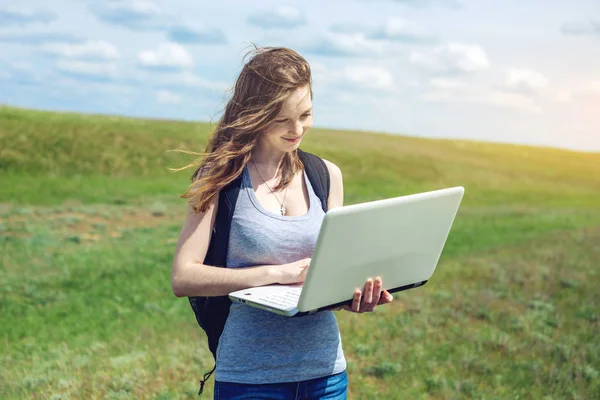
{"points": [[284, 300]]}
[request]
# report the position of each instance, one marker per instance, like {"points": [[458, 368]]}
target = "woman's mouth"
{"points": [[294, 140]]}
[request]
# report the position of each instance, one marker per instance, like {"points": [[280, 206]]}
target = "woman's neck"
{"points": [[269, 160]]}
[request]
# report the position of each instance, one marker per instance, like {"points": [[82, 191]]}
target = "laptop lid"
{"points": [[399, 239]]}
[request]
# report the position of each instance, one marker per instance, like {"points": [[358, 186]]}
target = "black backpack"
{"points": [[212, 312]]}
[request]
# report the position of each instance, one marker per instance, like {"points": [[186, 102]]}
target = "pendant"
{"points": [[283, 210]]}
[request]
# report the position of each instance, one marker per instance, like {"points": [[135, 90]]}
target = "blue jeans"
{"points": [[333, 387]]}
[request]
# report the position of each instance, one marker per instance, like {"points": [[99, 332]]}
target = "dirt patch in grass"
{"points": [[83, 224]]}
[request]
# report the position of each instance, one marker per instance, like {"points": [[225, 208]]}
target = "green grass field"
{"points": [[89, 217]]}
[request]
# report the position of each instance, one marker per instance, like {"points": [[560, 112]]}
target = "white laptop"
{"points": [[399, 239]]}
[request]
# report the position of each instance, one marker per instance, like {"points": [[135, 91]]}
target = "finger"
{"points": [[375, 289], [303, 274], [356, 301], [368, 306], [376, 292], [368, 295], [386, 297]]}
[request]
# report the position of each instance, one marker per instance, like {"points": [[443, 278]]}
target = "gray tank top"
{"points": [[258, 346]]}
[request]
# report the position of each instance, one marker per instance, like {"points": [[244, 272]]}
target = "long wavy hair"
{"points": [[267, 79]]}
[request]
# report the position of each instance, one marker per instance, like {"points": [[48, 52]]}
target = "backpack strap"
{"points": [[217, 254], [318, 175]]}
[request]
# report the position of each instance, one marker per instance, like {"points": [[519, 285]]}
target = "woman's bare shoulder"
{"points": [[334, 171], [336, 193]]}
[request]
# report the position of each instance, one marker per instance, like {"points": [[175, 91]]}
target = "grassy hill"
{"points": [[89, 215]]}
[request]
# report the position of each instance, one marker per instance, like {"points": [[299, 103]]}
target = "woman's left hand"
{"points": [[369, 298]]}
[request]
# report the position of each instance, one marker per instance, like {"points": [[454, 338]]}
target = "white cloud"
{"points": [[582, 28], [525, 80], [452, 58], [423, 3], [344, 45], [19, 71], [495, 98], [562, 96], [589, 91], [288, 13], [169, 55], [138, 15], [368, 77], [283, 17], [511, 100], [188, 34], [85, 68], [15, 16], [455, 91], [22, 66], [350, 99], [98, 50], [188, 79], [443, 83], [356, 44], [592, 88], [357, 78], [166, 97], [146, 7], [317, 67], [402, 30], [319, 72], [39, 37], [130, 8], [394, 29]]}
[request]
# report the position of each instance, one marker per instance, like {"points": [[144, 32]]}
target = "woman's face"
{"points": [[293, 121]]}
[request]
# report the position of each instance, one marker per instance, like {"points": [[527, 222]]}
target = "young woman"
{"points": [[273, 233]]}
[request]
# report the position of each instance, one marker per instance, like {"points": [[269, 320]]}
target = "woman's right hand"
{"points": [[288, 274]]}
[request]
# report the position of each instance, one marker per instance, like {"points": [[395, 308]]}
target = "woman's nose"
{"points": [[298, 128]]}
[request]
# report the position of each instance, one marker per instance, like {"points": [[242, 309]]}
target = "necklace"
{"points": [[282, 209]]}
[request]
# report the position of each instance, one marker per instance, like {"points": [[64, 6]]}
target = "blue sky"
{"points": [[511, 71]]}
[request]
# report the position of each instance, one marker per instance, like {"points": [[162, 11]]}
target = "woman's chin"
{"points": [[295, 146], [291, 146]]}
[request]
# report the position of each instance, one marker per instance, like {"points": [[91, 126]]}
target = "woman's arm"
{"points": [[190, 277], [336, 190]]}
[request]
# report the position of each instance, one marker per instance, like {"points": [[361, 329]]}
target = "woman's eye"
{"points": [[281, 121]]}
